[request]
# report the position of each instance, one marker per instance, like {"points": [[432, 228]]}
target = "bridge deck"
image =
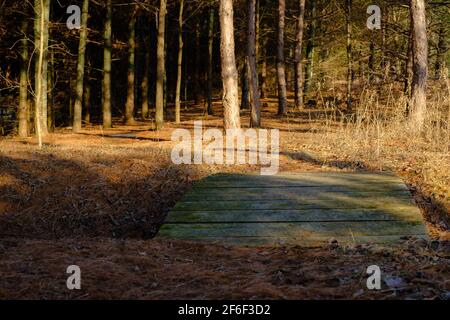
{"points": [[296, 208]]}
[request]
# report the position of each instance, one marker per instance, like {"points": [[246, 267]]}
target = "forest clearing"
{"points": [[95, 97]]}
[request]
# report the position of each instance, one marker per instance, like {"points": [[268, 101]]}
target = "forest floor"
{"points": [[97, 199]]}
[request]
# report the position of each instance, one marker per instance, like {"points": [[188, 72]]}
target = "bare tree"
{"points": [[23, 96], [252, 69], [161, 67], [210, 59], [441, 51], [42, 9], [348, 5], [299, 55], [107, 51], [264, 69], [281, 65], [129, 106], [311, 47], [77, 110], [40, 75], [180, 64], [229, 71], [418, 102]]}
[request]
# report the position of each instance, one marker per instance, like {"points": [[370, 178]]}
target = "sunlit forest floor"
{"points": [[98, 198]]}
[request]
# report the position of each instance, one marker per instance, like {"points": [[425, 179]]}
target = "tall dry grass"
{"points": [[380, 136]]}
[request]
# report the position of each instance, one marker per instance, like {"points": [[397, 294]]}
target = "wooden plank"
{"points": [[305, 178], [349, 180], [250, 194], [306, 215], [349, 185], [301, 230], [382, 203], [309, 241], [311, 176], [304, 188]]}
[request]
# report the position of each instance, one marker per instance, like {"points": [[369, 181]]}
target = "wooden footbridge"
{"points": [[296, 208]]}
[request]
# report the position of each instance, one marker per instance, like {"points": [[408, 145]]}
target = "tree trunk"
{"points": [[23, 96], [229, 71], [42, 9], [255, 120], [87, 101], [257, 33], [179, 65], [349, 55], [281, 64], [299, 56], [409, 67], [161, 65], [40, 75], [197, 62], [440, 56], [107, 51], [371, 61], [245, 99], [45, 86], [77, 110], [418, 102], [311, 47], [145, 86], [210, 60], [264, 70], [51, 85], [129, 106]]}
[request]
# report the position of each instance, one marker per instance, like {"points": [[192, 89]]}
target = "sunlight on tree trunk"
{"points": [[40, 76], [418, 103], [107, 51], [23, 95], [179, 64], [42, 9], [229, 71]]}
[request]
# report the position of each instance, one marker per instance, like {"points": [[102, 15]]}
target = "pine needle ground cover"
{"points": [[99, 199]]}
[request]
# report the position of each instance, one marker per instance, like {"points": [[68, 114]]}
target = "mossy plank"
{"points": [[310, 176], [309, 241], [381, 203], [299, 230], [310, 215], [347, 185], [307, 180], [249, 194]]}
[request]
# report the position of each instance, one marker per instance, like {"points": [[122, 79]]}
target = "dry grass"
{"points": [[379, 137]]}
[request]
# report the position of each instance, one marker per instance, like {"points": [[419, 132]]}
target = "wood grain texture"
{"points": [[296, 208]]}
